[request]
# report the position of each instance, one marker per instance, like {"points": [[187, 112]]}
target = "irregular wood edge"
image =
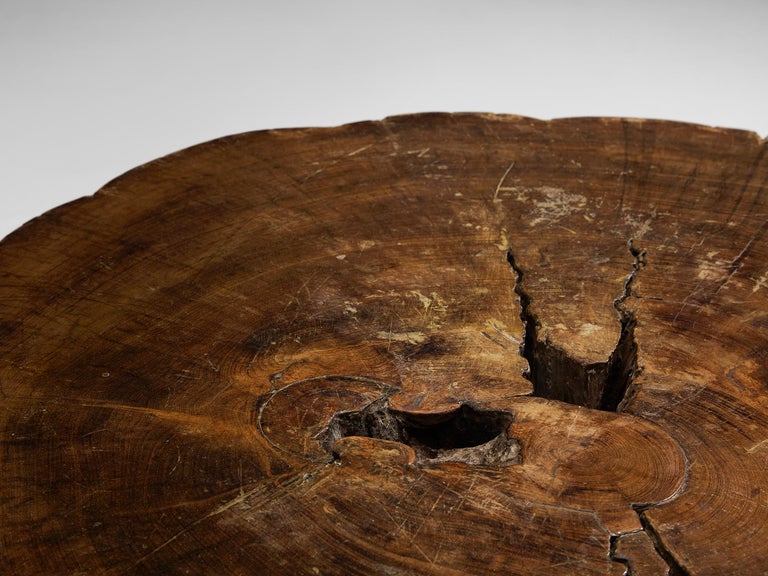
{"points": [[26, 229]]}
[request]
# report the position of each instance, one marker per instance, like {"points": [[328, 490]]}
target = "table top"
{"points": [[432, 344]]}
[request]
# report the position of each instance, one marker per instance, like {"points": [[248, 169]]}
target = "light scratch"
{"points": [[684, 303], [178, 460], [463, 497], [211, 365], [757, 446], [223, 508], [428, 515], [500, 185], [427, 558], [335, 161], [573, 423], [362, 149], [504, 334], [736, 264]]}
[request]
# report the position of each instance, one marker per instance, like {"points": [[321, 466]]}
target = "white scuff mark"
{"points": [[503, 243], [587, 329], [712, 271], [553, 204], [433, 308], [521, 192], [366, 244], [426, 301], [382, 294], [340, 256], [412, 337], [639, 226], [761, 282]]}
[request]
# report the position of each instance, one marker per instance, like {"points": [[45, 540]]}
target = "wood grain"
{"points": [[435, 344]]}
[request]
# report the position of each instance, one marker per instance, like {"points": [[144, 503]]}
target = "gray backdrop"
{"points": [[92, 88]]}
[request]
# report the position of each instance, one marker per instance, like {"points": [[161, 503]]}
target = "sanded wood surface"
{"points": [[436, 344]]}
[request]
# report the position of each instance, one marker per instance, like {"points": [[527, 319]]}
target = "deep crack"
{"points": [[557, 376], [675, 568], [616, 557]]}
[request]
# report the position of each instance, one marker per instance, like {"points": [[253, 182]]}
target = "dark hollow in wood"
{"points": [[464, 435]]}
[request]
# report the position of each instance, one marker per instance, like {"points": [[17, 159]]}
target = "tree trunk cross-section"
{"points": [[435, 344]]}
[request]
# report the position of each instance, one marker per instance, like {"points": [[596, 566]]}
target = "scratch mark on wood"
{"points": [[427, 515], [359, 150], [499, 186], [492, 339], [223, 508], [684, 303], [757, 446]]}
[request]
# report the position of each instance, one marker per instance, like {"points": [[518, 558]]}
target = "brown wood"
{"points": [[436, 344]]}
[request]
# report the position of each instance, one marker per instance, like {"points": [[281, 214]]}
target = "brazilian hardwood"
{"points": [[435, 344]]}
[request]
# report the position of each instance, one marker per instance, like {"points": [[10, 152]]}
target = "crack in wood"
{"points": [[603, 386], [557, 376], [675, 568]]}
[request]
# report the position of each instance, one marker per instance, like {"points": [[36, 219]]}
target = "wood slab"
{"points": [[435, 344]]}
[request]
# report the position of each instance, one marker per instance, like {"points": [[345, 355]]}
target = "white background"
{"points": [[92, 88]]}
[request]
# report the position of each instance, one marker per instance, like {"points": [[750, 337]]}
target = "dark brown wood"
{"points": [[436, 344]]}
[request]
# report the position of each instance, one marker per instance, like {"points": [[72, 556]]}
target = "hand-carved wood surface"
{"points": [[436, 344]]}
